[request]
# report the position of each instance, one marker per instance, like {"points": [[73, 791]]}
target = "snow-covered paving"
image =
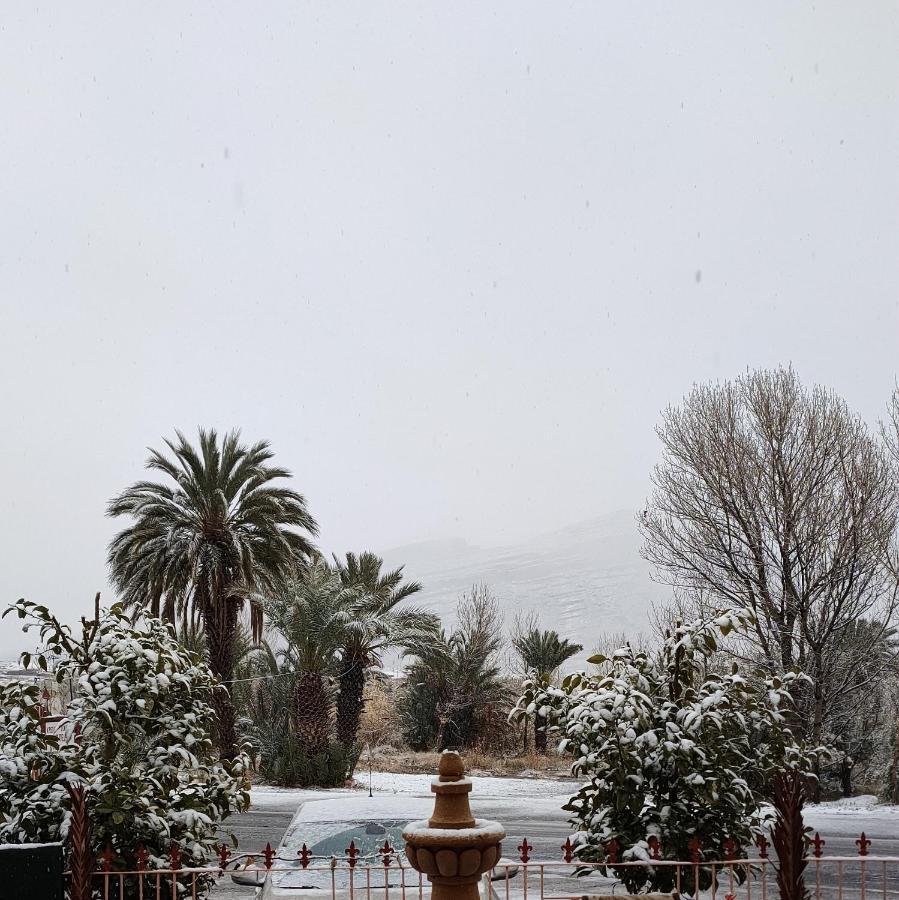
{"points": [[528, 795], [532, 808], [514, 794]]}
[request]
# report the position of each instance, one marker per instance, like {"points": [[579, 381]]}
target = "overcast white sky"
{"points": [[451, 259]]}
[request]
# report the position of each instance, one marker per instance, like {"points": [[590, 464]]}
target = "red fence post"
{"points": [[730, 849], [694, 847], [612, 847]]}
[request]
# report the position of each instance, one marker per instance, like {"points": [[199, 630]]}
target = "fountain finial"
{"points": [[451, 809], [450, 767]]}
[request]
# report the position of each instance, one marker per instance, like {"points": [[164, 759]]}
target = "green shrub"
{"points": [[286, 763], [670, 750], [136, 734]]}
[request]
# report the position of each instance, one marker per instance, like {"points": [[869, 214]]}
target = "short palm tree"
{"points": [[454, 680], [376, 624], [220, 533], [542, 654], [313, 613]]}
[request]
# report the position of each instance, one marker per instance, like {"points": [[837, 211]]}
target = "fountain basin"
{"points": [[453, 853]]}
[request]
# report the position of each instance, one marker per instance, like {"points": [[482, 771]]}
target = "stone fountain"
{"points": [[452, 848]]}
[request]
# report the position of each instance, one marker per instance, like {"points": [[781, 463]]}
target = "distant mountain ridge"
{"points": [[584, 580]]}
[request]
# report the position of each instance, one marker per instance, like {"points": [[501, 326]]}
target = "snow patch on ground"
{"points": [[397, 790], [487, 787], [849, 804], [263, 796], [508, 794], [865, 807]]}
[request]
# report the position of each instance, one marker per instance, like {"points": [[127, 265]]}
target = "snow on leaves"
{"points": [[137, 731], [672, 750]]}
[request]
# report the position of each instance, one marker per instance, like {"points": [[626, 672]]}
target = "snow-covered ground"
{"points": [[523, 800], [865, 807], [482, 786], [532, 808], [545, 792], [528, 805]]}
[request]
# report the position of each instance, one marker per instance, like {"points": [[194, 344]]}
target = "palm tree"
{"points": [[263, 692], [542, 654], [454, 679], [376, 623], [209, 542], [313, 612]]}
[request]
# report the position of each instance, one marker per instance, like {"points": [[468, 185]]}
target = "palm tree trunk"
{"points": [[788, 835], [540, 737], [350, 703], [220, 624], [311, 713]]}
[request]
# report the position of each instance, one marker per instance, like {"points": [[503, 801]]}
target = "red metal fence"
{"points": [[386, 875]]}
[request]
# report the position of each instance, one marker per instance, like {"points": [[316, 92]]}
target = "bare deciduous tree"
{"points": [[778, 499]]}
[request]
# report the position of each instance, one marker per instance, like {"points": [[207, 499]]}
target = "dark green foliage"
{"points": [[542, 651], [376, 623], [289, 764], [454, 683], [542, 654], [266, 698], [312, 614], [418, 714]]}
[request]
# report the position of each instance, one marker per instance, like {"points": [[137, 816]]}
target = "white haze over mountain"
{"points": [[584, 581]]}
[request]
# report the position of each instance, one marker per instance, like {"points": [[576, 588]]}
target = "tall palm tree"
{"points": [[376, 623], [313, 612], [210, 541], [542, 654]]}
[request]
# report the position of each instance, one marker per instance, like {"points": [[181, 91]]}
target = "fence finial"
{"points": [[863, 843], [818, 843]]}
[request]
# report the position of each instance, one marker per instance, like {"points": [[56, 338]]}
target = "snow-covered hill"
{"points": [[583, 580]]}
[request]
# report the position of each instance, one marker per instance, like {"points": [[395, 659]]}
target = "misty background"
{"points": [[452, 260]]}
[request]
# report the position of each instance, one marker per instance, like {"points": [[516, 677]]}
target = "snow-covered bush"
{"points": [[672, 750], [137, 733]]}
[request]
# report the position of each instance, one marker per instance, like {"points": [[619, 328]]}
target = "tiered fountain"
{"points": [[452, 848]]}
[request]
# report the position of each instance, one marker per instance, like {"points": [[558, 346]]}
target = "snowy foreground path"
{"points": [[531, 808]]}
